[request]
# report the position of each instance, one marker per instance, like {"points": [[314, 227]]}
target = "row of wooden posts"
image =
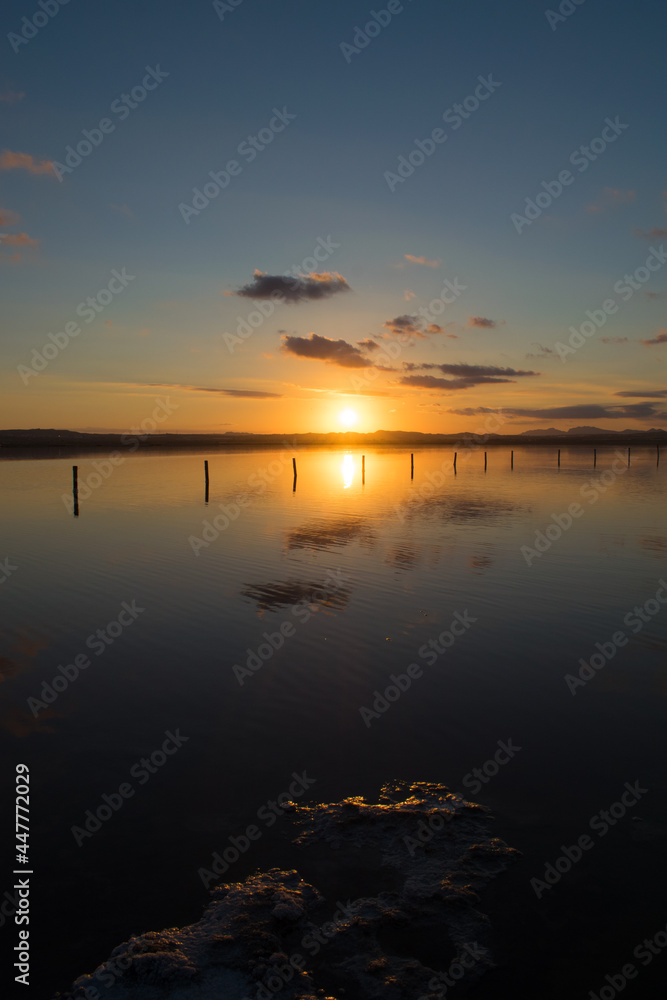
{"points": [[75, 472]]}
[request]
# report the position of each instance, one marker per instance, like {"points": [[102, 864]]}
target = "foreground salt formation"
{"points": [[427, 853]]}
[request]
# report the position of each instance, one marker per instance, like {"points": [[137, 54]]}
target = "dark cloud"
{"points": [[651, 394], [541, 352], [483, 322], [335, 352], [584, 411], [247, 393], [661, 338], [472, 371], [432, 382], [304, 288], [368, 344], [413, 326]]}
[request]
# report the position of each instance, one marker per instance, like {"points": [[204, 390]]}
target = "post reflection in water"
{"points": [[347, 468]]}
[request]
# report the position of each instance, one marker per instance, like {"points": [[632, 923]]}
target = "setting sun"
{"points": [[348, 417]]}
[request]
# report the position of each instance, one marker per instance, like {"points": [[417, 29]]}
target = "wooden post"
{"points": [[412, 466], [559, 458], [454, 461], [595, 458], [206, 472], [485, 461], [294, 466], [75, 489], [628, 456], [363, 469], [511, 460]]}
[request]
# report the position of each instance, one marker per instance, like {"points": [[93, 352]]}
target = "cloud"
{"points": [[541, 352], [9, 218], [584, 411], [473, 371], [368, 344], [650, 234], [413, 326], [614, 340], [408, 294], [649, 394], [123, 210], [303, 288], [609, 198], [434, 328], [17, 240], [239, 393], [423, 260], [481, 321], [11, 96], [431, 382], [24, 161], [335, 352], [661, 338]]}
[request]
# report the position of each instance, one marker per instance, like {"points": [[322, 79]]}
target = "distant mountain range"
{"points": [[82, 441]]}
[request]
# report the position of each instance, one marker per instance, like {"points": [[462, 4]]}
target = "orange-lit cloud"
{"points": [[609, 198], [304, 288], [18, 240], [9, 218], [335, 352], [483, 323], [650, 234], [423, 260], [24, 161], [660, 338]]}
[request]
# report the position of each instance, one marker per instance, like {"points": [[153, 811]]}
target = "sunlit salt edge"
{"points": [[439, 850]]}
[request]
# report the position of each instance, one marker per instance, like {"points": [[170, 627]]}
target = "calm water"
{"points": [[360, 576]]}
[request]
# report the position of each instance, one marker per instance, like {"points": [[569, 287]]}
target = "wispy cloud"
{"points": [[542, 351], [9, 218], [660, 338], [424, 261], [649, 394], [614, 340], [307, 287], [335, 352], [650, 234], [609, 198], [17, 240], [585, 411], [24, 161], [11, 96], [238, 393]]}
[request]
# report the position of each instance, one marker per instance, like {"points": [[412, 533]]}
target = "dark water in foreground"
{"points": [[360, 578]]}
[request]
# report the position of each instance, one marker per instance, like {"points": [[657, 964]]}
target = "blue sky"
{"points": [[323, 176]]}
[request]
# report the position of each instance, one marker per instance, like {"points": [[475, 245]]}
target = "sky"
{"points": [[311, 216]]}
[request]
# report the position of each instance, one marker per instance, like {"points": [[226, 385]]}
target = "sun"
{"points": [[348, 417]]}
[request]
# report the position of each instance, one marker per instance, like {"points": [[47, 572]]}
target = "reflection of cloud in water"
{"points": [[654, 545], [271, 596], [472, 509], [320, 535], [406, 557], [481, 561]]}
